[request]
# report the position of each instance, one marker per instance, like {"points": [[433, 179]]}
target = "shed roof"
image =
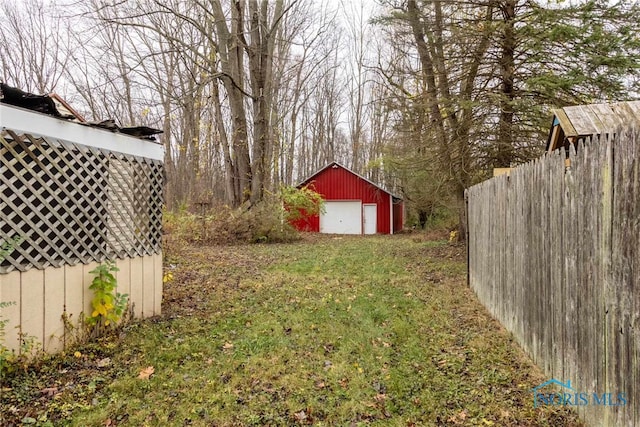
{"points": [[591, 119], [54, 105], [24, 121], [336, 164]]}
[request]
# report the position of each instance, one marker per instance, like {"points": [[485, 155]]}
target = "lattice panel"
{"points": [[72, 203]]}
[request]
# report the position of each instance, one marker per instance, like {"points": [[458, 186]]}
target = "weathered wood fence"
{"points": [[554, 255]]}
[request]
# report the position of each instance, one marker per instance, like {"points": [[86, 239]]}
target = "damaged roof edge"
{"points": [[26, 121], [61, 104], [54, 105]]}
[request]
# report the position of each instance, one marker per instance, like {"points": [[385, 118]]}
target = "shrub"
{"points": [[267, 221], [300, 202]]}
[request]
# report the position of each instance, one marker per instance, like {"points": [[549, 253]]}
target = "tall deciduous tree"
{"points": [[236, 46], [486, 72], [34, 46]]}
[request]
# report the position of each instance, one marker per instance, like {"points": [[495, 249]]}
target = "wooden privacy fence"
{"points": [[554, 255]]}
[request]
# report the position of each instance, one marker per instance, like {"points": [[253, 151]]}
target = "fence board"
{"points": [[554, 254]]}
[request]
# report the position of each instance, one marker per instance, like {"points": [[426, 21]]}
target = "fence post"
{"points": [[466, 237]]}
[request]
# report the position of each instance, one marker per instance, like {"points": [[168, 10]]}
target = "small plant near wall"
{"points": [[6, 356], [108, 305], [9, 359]]}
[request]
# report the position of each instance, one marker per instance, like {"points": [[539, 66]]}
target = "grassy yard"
{"points": [[328, 331]]}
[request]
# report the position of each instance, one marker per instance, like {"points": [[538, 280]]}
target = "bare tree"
{"points": [[35, 45], [358, 80]]}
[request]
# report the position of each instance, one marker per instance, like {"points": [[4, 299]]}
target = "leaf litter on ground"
{"points": [[375, 330]]}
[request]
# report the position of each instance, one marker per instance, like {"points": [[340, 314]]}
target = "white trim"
{"points": [[24, 121]]}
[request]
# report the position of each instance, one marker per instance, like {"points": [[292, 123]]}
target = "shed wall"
{"points": [[340, 184], [41, 297], [398, 217], [73, 197]]}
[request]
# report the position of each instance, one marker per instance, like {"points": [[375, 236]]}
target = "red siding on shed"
{"points": [[337, 183], [398, 216]]}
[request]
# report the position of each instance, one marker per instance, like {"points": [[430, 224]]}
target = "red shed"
{"points": [[353, 204]]}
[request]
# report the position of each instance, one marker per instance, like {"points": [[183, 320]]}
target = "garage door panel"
{"points": [[343, 217]]}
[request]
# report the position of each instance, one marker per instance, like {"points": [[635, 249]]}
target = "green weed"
{"points": [[108, 305]]}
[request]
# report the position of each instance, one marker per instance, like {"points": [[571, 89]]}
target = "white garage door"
{"points": [[342, 218]]}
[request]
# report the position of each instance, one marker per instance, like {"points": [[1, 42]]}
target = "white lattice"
{"points": [[72, 203]]}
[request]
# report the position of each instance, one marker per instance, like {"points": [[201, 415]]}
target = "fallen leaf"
{"points": [[146, 373], [227, 346], [487, 422], [77, 354], [49, 391], [380, 397], [103, 363], [300, 416]]}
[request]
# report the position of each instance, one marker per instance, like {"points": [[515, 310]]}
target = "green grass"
{"points": [[333, 331]]}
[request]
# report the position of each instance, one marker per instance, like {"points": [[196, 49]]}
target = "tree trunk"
{"points": [[504, 155]]}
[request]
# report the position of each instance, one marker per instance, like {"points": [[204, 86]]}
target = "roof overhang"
{"points": [[338, 165], [580, 121], [21, 120]]}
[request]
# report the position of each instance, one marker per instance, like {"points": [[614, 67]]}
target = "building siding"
{"points": [[76, 196], [398, 216], [40, 298], [338, 183]]}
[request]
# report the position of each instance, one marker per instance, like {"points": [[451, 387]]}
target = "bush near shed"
{"points": [[267, 221]]}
